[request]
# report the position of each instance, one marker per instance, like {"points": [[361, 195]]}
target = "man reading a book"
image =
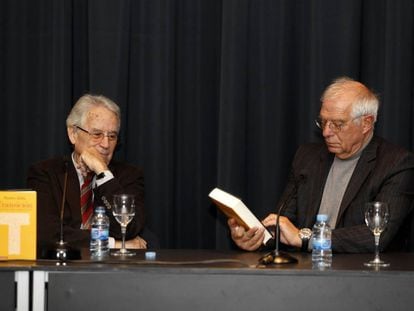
{"points": [[338, 177]]}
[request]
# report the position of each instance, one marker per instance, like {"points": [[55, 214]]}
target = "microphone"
{"points": [[276, 256], [62, 251]]}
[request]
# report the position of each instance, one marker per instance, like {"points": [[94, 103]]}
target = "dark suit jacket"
{"points": [[47, 179], [384, 172]]}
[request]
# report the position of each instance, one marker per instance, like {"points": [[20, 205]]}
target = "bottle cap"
{"points": [[150, 255], [99, 209], [322, 217]]}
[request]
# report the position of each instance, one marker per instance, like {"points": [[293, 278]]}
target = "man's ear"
{"points": [[367, 123], [72, 134]]}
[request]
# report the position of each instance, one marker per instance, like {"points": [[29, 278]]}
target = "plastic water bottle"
{"points": [[321, 243], [99, 245]]}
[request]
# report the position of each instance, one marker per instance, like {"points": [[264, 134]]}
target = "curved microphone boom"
{"points": [[277, 256]]}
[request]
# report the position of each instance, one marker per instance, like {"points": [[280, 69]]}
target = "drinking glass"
{"points": [[123, 210], [376, 218]]}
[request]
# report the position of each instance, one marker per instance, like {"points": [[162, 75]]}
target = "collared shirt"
{"points": [[95, 183]]}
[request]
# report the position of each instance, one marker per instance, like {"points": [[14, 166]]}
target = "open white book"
{"points": [[233, 207]]}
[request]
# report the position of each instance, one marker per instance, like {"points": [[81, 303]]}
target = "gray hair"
{"points": [[79, 111], [365, 102]]}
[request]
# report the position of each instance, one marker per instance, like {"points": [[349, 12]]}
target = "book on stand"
{"points": [[17, 224], [233, 207]]}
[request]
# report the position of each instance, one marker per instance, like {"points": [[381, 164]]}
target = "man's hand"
{"points": [[136, 243], [248, 240], [289, 234], [90, 161]]}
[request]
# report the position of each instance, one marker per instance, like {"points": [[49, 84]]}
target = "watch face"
{"points": [[305, 233]]}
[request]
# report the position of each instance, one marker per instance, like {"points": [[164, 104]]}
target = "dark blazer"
{"points": [[47, 179], [384, 172]]}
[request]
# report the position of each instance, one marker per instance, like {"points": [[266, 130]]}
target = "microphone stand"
{"points": [[278, 257], [62, 251]]}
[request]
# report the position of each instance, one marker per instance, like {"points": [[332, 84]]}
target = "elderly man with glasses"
{"points": [[92, 178], [338, 177]]}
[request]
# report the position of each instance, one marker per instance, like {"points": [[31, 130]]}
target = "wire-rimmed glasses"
{"points": [[334, 125], [97, 136]]}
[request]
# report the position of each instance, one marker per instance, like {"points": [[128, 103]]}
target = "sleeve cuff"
{"points": [[111, 242], [107, 177]]}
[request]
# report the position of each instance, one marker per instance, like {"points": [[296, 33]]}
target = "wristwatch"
{"points": [[305, 234], [100, 176]]}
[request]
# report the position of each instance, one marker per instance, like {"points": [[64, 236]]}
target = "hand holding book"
{"points": [[234, 208]]}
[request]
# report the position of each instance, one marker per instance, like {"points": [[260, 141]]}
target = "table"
{"points": [[214, 280]]}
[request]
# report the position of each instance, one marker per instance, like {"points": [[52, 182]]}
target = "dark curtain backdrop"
{"points": [[213, 92]]}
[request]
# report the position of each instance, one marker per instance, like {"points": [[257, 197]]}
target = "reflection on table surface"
{"points": [[212, 259]]}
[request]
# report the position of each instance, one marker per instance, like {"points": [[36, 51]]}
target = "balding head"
{"points": [[362, 100]]}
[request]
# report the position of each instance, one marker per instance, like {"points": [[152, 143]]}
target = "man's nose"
{"points": [[105, 141], [327, 131]]}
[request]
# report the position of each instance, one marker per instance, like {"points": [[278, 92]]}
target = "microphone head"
{"points": [[66, 160], [302, 177]]}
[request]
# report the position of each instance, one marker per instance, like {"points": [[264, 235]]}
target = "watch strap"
{"points": [[305, 244], [100, 176]]}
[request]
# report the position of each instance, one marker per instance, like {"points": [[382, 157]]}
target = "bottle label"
{"points": [[321, 244], [99, 234]]}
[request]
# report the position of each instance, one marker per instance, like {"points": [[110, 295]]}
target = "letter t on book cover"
{"points": [[17, 224]]}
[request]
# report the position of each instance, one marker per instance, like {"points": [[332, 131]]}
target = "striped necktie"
{"points": [[86, 202]]}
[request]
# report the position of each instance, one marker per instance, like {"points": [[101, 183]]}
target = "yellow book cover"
{"points": [[17, 224]]}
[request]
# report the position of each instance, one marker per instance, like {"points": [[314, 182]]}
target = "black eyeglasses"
{"points": [[97, 136]]}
